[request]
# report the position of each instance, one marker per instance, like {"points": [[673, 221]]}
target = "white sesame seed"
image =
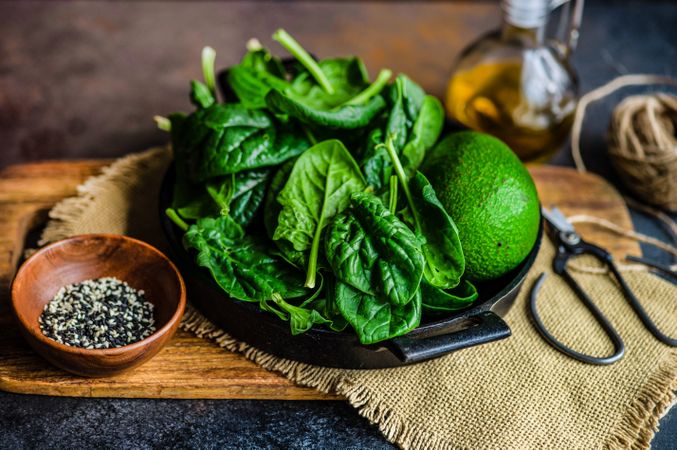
{"points": [[98, 313]]}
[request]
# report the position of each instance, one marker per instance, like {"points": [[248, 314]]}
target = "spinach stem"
{"points": [[208, 58], [253, 45], [163, 123], [312, 258], [288, 42], [174, 217], [315, 294], [399, 170], [392, 200], [373, 89]]}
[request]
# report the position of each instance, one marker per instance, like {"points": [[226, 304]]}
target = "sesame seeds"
{"points": [[97, 314]]}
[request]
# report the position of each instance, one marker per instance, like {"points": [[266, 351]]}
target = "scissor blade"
{"points": [[558, 220]]}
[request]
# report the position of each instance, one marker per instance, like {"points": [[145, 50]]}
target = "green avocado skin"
{"points": [[492, 198]]}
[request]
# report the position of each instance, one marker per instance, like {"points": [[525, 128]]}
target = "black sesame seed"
{"points": [[98, 313]]}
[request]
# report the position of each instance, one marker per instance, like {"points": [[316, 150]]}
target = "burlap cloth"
{"points": [[516, 393]]}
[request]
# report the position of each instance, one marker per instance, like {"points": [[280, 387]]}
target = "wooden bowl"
{"points": [[94, 256]]}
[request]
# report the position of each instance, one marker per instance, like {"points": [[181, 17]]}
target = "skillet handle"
{"points": [[487, 327]]}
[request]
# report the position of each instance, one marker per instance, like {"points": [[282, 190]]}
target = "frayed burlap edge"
{"points": [[640, 423], [635, 430], [122, 172]]}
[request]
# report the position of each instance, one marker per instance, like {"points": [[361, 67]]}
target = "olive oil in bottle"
{"points": [[515, 86]]}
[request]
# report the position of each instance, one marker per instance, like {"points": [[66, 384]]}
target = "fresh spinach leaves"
{"points": [[373, 318], [255, 76], [301, 319], [319, 187], [241, 264], [424, 132], [226, 139], [370, 249], [413, 125], [444, 260], [249, 190], [346, 116], [365, 245], [437, 301]]}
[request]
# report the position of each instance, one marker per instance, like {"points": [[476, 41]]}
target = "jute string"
{"points": [[643, 148], [518, 393]]}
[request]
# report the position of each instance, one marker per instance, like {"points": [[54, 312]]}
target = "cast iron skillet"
{"points": [[478, 324]]}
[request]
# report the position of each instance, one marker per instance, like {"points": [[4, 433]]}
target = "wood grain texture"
{"points": [[190, 367], [587, 193]]}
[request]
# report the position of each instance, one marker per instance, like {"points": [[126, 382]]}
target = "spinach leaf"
{"points": [[271, 212], [255, 76], [314, 310], [375, 319], [301, 319], [348, 77], [242, 265], [249, 189], [271, 208], [347, 116], [370, 249], [192, 201], [318, 188], [424, 133], [412, 95], [414, 122], [226, 139], [444, 260], [399, 122], [260, 59], [327, 309], [351, 103], [327, 306], [189, 200], [436, 300], [239, 195], [375, 162]]}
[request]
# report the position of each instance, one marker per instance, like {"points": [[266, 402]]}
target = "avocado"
{"points": [[492, 198]]}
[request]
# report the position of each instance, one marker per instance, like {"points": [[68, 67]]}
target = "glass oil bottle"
{"points": [[515, 84]]}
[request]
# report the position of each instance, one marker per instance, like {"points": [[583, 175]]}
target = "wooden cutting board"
{"points": [[190, 367]]}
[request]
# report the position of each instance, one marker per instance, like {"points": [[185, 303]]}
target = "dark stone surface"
{"points": [[49, 422], [83, 79]]}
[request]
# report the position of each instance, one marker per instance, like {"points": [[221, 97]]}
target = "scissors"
{"points": [[569, 243]]}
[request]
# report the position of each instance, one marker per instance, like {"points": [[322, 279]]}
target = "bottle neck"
{"points": [[524, 20], [527, 37]]}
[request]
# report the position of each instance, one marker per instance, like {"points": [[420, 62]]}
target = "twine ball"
{"points": [[643, 147]]}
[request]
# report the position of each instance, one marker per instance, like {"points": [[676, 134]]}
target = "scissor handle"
{"points": [[639, 309], [564, 252], [582, 247], [619, 346]]}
